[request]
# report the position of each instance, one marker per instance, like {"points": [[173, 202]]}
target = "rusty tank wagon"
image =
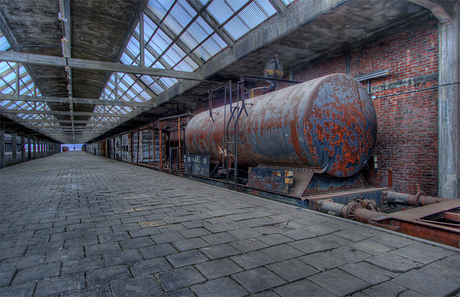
{"points": [[318, 134]]}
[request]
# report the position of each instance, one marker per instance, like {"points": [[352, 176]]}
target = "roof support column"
{"points": [[34, 155], [141, 38], [2, 147], [14, 147], [448, 108], [23, 151], [29, 147]]}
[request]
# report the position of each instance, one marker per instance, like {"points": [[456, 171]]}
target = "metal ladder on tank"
{"points": [[230, 137], [231, 131]]}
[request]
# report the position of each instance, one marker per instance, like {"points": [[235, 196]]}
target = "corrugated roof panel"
{"points": [[158, 65], [160, 7], [169, 82], [156, 88], [210, 47], [236, 28], [179, 17], [252, 15], [3, 67], [147, 80], [149, 28], [220, 11], [145, 95], [173, 55], [149, 59], [137, 88], [186, 65], [4, 45], [189, 39], [133, 46], [236, 4], [196, 33], [128, 79], [125, 59], [160, 41]]}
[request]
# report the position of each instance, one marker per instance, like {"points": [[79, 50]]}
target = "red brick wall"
{"points": [[407, 138]]}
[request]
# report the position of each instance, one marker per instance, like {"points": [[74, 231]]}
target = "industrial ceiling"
{"points": [[78, 70]]}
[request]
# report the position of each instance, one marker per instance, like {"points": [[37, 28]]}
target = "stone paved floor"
{"points": [[75, 224]]}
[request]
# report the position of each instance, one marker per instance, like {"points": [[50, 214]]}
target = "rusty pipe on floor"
{"points": [[342, 210], [418, 199]]}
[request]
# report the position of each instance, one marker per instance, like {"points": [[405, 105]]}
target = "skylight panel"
{"points": [[9, 89], [128, 79], [220, 11], [158, 65], [149, 28], [3, 67], [137, 88], [179, 17], [160, 7], [4, 45], [131, 96], [169, 82], [133, 46], [149, 59], [10, 77], [235, 4], [174, 55], [24, 91], [252, 15], [196, 33], [236, 28], [145, 95], [186, 65], [210, 47], [147, 80], [160, 41], [125, 59], [122, 86]]}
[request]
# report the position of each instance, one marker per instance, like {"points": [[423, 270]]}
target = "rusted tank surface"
{"points": [[329, 121]]}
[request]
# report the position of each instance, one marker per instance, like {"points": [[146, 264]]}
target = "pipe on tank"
{"points": [[326, 122]]}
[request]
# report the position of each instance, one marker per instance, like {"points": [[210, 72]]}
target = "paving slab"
{"points": [[338, 282], [76, 224], [219, 287]]}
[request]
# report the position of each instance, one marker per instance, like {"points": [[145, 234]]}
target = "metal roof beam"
{"points": [[97, 65], [63, 113], [48, 99]]}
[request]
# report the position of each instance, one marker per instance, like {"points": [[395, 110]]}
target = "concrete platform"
{"points": [[75, 224]]}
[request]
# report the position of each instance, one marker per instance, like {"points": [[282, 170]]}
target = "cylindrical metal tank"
{"points": [[329, 121]]}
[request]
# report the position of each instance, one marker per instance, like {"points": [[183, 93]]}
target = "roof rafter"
{"points": [[97, 65], [49, 99]]}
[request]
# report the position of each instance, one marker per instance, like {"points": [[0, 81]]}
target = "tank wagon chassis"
{"points": [[305, 145]]}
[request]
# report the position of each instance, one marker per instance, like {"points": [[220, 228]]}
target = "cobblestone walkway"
{"points": [[75, 224]]}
